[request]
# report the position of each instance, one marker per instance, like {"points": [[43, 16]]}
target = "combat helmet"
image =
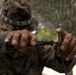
{"points": [[18, 14]]}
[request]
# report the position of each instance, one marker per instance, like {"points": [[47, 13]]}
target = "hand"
{"points": [[67, 47], [21, 38]]}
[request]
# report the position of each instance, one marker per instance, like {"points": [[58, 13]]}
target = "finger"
{"points": [[24, 38], [59, 30], [15, 38], [66, 42], [72, 44], [33, 39], [23, 50], [72, 54], [28, 49], [8, 37], [69, 48]]}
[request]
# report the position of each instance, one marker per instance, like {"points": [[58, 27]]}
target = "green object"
{"points": [[46, 34]]}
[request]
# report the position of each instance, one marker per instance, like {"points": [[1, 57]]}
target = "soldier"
{"points": [[20, 55]]}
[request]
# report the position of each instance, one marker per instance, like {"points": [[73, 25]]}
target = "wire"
{"points": [[63, 64]]}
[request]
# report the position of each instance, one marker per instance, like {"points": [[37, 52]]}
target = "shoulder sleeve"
{"points": [[48, 59], [2, 44]]}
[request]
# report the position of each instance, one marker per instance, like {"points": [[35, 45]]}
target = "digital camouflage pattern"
{"points": [[12, 62]]}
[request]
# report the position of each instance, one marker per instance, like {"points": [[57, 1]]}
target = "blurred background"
{"points": [[58, 12], [52, 14]]}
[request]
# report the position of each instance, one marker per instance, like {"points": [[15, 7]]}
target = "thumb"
{"points": [[60, 30]]}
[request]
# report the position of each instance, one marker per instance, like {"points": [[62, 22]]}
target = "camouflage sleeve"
{"points": [[49, 59], [2, 44]]}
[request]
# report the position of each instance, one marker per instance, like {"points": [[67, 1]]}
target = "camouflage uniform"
{"points": [[12, 62]]}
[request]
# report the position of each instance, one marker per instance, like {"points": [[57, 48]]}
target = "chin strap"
{"points": [[15, 23]]}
